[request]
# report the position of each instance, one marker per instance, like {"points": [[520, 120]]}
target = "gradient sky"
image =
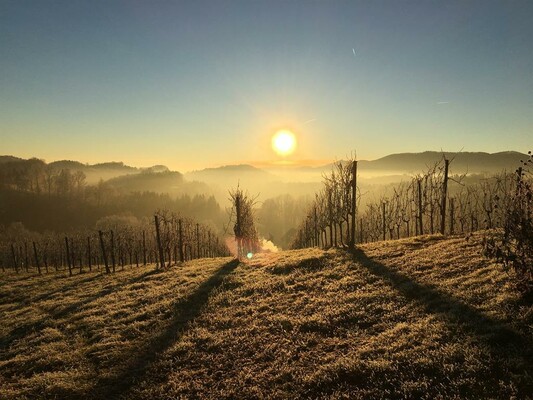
{"points": [[191, 84]]}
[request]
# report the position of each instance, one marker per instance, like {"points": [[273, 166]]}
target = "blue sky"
{"points": [[193, 83]]}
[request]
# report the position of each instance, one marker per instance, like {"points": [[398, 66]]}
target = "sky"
{"points": [[193, 84]]}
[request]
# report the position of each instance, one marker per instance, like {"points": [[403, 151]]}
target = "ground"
{"points": [[426, 317]]}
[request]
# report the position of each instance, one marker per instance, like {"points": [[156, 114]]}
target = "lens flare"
{"points": [[249, 255], [284, 142]]}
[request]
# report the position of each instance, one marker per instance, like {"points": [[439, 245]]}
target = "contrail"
{"points": [[443, 102], [353, 50], [309, 121]]}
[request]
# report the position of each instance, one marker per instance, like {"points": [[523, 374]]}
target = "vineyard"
{"points": [[432, 202], [167, 239]]}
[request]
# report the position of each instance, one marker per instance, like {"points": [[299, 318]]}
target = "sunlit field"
{"points": [[425, 317]]}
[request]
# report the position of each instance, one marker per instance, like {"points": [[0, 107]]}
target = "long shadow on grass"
{"points": [[23, 330], [184, 312], [502, 340]]}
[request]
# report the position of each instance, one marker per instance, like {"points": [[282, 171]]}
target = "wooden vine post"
{"points": [[159, 245], [444, 196], [36, 258], [68, 257], [180, 233], [26, 260], [353, 205], [383, 205], [198, 255], [420, 214], [104, 255], [209, 253], [317, 244], [15, 263], [144, 248], [452, 215], [89, 255], [113, 261]]}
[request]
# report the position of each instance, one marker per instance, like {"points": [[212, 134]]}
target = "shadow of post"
{"points": [[501, 340], [184, 312]]}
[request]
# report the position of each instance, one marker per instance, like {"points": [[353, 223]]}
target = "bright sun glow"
{"points": [[284, 142]]}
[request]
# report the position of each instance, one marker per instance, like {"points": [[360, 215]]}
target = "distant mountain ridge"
{"points": [[148, 181], [93, 172], [389, 168], [262, 179], [6, 159], [473, 162], [238, 171], [413, 163]]}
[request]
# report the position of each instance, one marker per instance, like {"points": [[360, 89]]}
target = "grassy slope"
{"points": [[417, 318]]}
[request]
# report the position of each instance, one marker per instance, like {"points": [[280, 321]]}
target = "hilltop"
{"points": [[463, 162], [413, 163], [229, 175], [426, 317]]}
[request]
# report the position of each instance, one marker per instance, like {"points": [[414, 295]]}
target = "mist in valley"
{"points": [[68, 195]]}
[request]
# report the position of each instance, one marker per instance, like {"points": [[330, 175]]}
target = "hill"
{"points": [[413, 163], [96, 172], [385, 170], [9, 159], [158, 180], [417, 318], [93, 172], [231, 175], [148, 181], [462, 162]]}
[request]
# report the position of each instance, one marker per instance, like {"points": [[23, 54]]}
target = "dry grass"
{"points": [[419, 318]]}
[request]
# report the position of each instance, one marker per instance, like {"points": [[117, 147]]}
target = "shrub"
{"points": [[514, 246]]}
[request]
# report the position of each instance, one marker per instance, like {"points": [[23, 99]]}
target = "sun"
{"points": [[284, 142]]}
